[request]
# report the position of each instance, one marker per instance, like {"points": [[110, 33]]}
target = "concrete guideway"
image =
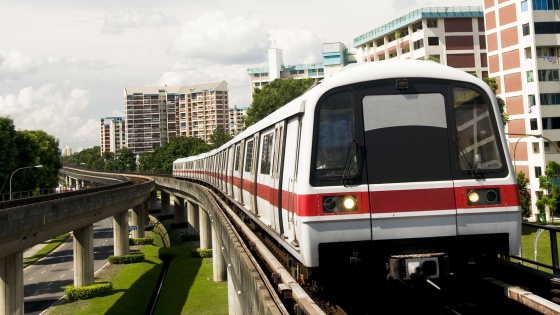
{"points": [[30, 225]]}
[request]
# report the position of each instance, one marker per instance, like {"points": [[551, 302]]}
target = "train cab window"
{"points": [[476, 135], [266, 154], [335, 142]]}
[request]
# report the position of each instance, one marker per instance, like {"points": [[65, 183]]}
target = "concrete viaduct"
{"points": [[23, 226]]}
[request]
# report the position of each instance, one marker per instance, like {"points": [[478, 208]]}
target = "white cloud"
{"points": [[298, 46], [117, 21], [14, 64], [217, 37], [51, 108]]}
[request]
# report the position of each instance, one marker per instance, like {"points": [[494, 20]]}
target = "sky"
{"points": [[64, 64]]}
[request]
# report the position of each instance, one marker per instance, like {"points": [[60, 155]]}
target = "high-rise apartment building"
{"points": [[154, 115], [237, 119], [523, 56], [112, 134], [452, 35]]}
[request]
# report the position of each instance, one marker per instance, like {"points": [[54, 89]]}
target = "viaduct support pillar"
{"points": [[165, 202], [120, 232], [83, 256], [138, 220], [205, 231], [179, 209], [153, 200], [219, 265], [11, 284], [192, 218]]}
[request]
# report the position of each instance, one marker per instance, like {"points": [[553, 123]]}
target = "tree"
{"points": [[273, 96], [8, 150], [219, 137], [524, 194], [161, 160], [550, 193], [38, 148], [501, 103]]}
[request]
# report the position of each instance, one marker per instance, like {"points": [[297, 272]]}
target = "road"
{"points": [[44, 281]]}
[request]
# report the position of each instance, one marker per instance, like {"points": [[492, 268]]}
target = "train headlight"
{"points": [[338, 204], [473, 197], [482, 197], [349, 203]]}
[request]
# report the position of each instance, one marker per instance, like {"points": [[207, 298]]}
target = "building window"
{"points": [[538, 171], [418, 44], [257, 75], [547, 27], [431, 23], [545, 5], [528, 53], [530, 76], [433, 41], [536, 147], [550, 98], [549, 75], [531, 99], [526, 29], [524, 6], [551, 123], [534, 125], [546, 146]]}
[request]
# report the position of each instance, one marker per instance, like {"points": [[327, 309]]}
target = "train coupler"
{"points": [[418, 266]]}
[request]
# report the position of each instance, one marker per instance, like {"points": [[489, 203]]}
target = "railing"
{"points": [[28, 194], [551, 263]]}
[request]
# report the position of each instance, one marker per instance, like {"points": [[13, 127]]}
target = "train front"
{"points": [[413, 176]]}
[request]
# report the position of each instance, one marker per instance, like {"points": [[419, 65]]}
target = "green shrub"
{"points": [[202, 253], [89, 291], [127, 259], [141, 241]]}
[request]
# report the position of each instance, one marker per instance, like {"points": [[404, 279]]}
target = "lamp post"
{"points": [[21, 168]]}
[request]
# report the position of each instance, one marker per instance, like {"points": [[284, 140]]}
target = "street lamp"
{"points": [[37, 166]]}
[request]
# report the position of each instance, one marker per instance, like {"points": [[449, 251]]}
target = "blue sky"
{"points": [[64, 64]]}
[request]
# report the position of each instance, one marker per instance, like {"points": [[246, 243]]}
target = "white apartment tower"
{"points": [[523, 56], [112, 134], [154, 115], [452, 35], [237, 119]]}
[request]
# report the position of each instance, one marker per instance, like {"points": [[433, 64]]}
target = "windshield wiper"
{"points": [[464, 154], [351, 159]]}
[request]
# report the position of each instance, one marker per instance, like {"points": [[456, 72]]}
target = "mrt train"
{"points": [[400, 164]]}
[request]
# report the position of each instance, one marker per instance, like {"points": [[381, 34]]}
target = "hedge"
{"points": [[90, 291]]}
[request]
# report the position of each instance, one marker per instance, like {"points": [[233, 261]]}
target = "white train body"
{"points": [[410, 146]]}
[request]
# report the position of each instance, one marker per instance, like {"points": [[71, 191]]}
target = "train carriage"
{"points": [[399, 163]]}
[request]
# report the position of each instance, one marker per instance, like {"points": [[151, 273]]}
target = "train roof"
{"points": [[356, 73]]}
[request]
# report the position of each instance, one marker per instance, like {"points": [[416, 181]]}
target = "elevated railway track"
{"points": [[508, 287]]}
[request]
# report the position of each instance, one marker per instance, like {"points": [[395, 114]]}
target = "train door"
{"points": [[238, 172], [277, 163], [229, 176], [409, 172], [265, 180], [289, 178], [248, 182]]}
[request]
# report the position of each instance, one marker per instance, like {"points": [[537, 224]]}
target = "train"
{"points": [[397, 166]]}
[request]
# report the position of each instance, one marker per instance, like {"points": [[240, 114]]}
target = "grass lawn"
{"points": [[188, 287]]}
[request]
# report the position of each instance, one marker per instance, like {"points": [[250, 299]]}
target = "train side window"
{"points": [[249, 156], [237, 156], [476, 138], [266, 155], [335, 136]]}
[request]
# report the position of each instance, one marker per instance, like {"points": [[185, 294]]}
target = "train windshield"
{"points": [[336, 149], [476, 138]]}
